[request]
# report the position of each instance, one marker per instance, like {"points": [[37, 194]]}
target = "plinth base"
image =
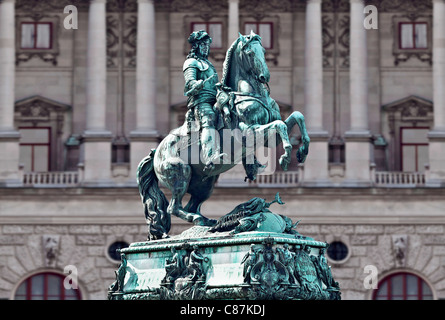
{"points": [[202, 265]]}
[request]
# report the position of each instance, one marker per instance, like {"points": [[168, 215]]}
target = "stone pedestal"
{"points": [[222, 266]]}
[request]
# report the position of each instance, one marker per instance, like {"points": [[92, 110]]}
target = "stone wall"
{"points": [[374, 245], [82, 246], [85, 247]]}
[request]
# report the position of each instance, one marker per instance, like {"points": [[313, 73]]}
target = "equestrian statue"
{"points": [[237, 109]]}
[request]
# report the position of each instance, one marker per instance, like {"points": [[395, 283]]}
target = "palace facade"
{"points": [[87, 88]]}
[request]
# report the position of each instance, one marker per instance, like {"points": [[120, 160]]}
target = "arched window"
{"points": [[46, 286], [403, 286]]}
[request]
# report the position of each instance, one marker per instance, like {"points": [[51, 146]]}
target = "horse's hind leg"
{"points": [[200, 191], [176, 175]]}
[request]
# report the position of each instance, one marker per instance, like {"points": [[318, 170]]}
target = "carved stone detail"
{"points": [[402, 5], [121, 40], [50, 249], [410, 109], [335, 39], [130, 40], [122, 6], [260, 7], [400, 247], [335, 5], [39, 108], [49, 5], [208, 8]]}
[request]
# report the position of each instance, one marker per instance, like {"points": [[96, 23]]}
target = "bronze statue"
{"points": [[244, 104]]}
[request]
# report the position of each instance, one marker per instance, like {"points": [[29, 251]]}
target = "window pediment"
{"points": [[411, 108], [38, 106]]}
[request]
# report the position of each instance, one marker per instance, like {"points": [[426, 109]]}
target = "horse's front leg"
{"points": [[298, 118]]}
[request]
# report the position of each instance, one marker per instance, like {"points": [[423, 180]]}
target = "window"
{"points": [[413, 35], [337, 251], [214, 29], [112, 249], [403, 286], [414, 148], [46, 286], [412, 38], [36, 35], [263, 29], [35, 148]]}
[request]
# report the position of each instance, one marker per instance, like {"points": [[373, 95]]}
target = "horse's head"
{"points": [[251, 55]]}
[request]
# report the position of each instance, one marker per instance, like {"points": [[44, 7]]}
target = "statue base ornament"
{"points": [[232, 260]]}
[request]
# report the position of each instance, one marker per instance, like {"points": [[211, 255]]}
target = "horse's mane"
{"points": [[228, 60], [226, 64]]}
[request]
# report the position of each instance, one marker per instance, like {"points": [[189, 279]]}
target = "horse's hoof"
{"points": [[284, 162], [301, 155]]}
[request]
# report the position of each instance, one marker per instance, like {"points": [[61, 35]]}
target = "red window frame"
{"points": [[389, 295], [413, 24], [257, 23], [38, 144], [45, 294], [402, 144], [207, 28], [36, 35]]}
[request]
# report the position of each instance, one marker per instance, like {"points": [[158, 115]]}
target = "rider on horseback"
{"points": [[200, 79]]}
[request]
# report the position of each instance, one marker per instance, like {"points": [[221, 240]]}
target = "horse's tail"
{"points": [[153, 199]]}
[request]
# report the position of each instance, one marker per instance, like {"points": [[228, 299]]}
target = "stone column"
{"points": [[316, 165], [436, 136], [358, 149], [145, 136], [233, 21], [96, 138], [9, 136]]}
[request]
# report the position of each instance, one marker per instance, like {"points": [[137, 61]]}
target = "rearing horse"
{"points": [[244, 100]]}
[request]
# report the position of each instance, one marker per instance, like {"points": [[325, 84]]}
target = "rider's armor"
{"points": [[201, 100]]}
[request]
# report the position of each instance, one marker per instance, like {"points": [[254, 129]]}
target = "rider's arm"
{"points": [[192, 84]]}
